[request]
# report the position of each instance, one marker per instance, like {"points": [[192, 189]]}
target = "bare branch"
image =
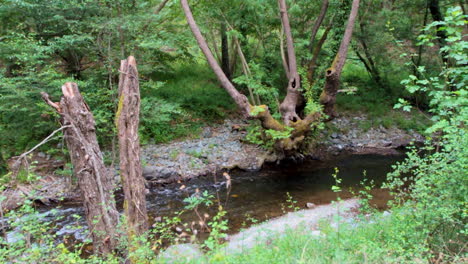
{"points": [[318, 23], [45, 140], [46, 99]]}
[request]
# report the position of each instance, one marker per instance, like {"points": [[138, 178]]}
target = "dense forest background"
{"points": [[44, 43], [406, 67]]}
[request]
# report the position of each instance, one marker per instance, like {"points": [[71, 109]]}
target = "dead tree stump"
{"points": [[127, 118], [94, 179]]}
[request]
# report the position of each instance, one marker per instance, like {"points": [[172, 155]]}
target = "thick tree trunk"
{"points": [[333, 74], [240, 99], [293, 95], [225, 52], [94, 179], [128, 117]]}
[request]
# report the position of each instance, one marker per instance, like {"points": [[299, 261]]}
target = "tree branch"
{"points": [[318, 23], [240, 99]]}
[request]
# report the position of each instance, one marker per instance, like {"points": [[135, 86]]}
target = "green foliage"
{"points": [[266, 138], [198, 199], [337, 186], [195, 89], [436, 180], [291, 204], [219, 227], [261, 86], [379, 240], [254, 134], [278, 135]]}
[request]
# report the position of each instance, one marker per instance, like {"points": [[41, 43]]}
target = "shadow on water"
{"points": [[257, 195]]}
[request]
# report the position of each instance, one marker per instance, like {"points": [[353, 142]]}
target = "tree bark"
{"points": [[225, 52], [240, 99], [437, 16], [293, 95], [283, 56], [333, 74], [94, 179], [128, 117]]}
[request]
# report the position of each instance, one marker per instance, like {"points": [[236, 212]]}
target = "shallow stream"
{"points": [[256, 195]]}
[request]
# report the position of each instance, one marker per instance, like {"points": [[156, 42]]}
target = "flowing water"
{"points": [[257, 195]]}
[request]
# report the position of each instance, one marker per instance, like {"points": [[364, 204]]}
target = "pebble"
{"points": [[218, 149]]}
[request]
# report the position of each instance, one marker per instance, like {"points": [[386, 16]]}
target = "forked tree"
{"points": [[292, 120]]}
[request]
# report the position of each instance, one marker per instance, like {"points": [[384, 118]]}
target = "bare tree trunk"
{"points": [[240, 99], [128, 117], [94, 179], [312, 65], [283, 56], [288, 106], [318, 23], [225, 52], [333, 74]]}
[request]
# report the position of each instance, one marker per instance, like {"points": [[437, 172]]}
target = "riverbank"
{"points": [[305, 221], [222, 148]]}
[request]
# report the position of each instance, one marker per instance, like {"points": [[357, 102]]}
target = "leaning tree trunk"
{"points": [[94, 179], [128, 117], [241, 100]]}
